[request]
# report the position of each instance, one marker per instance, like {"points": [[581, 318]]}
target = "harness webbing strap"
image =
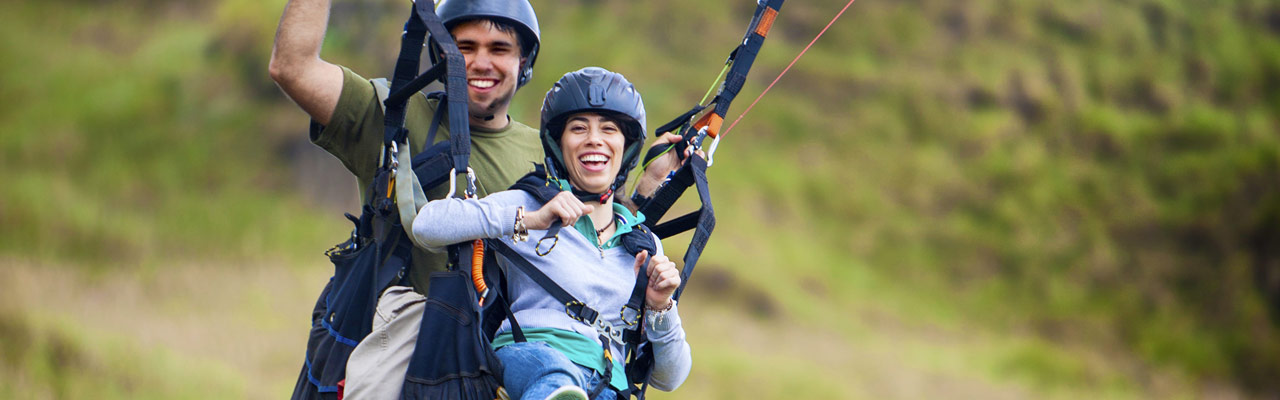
{"points": [[417, 84], [455, 83], [788, 68], [406, 81], [744, 56], [576, 309], [405, 70]]}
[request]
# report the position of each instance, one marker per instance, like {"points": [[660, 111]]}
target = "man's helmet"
{"points": [[516, 13], [593, 89]]}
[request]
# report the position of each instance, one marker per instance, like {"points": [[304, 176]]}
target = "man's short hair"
{"points": [[501, 25]]}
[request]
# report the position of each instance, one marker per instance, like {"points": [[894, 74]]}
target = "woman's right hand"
{"points": [[564, 207]]}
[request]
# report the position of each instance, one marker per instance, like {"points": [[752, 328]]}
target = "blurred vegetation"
{"points": [[1096, 174]]}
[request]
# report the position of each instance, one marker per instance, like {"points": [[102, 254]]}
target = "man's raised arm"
{"points": [[295, 59]]}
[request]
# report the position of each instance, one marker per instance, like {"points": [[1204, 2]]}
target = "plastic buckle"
{"points": [[568, 309]]}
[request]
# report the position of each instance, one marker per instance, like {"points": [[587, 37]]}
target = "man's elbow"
{"points": [[280, 70]]}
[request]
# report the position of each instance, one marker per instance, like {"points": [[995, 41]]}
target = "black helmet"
{"points": [[593, 89], [517, 13]]}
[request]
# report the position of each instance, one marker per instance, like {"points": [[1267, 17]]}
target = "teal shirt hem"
{"points": [[578, 348]]}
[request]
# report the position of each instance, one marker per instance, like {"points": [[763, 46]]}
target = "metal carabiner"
{"points": [[453, 182], [471, 183], [711, 153], [395, 161], [696, 140]]}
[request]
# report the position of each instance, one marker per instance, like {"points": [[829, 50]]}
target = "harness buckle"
{"points": [[606, 330], [574, 310], [570, 311]]}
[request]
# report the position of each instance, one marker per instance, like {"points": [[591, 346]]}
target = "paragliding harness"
{"points": [[632, 336], [639, 357], [452, 357]]}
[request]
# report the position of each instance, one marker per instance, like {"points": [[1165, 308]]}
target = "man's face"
{"points": [[493, 66]]}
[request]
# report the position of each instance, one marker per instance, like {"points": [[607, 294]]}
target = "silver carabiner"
{"points": [[697, 139], [711, 153], [395, 161], [453, 182], [471, 183]]}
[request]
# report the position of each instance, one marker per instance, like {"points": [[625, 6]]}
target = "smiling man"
{"points": [[499, 40]]}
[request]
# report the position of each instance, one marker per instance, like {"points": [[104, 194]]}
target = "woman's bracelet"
{"points": [[657, 318], [520, 232], [670, 303]]}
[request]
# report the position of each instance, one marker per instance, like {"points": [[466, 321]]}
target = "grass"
{"points": [[1003, 198]]}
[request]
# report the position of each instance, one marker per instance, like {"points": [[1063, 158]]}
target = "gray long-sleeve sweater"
{"points": [[602, 279]]}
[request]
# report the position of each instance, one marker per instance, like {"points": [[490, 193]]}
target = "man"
{"points": [[499, 40]]}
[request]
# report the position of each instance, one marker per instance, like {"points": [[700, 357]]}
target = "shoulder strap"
{"points": [[381, 89], [537, 185], [703, 221], [576, 309]]}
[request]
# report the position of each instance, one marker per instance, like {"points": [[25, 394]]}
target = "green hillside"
{"points": [[984, 199]]}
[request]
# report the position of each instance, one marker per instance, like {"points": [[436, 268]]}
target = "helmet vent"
{"points": [[595, 95]]}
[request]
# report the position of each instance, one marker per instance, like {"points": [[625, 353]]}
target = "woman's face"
{"points": [[592, 146]]}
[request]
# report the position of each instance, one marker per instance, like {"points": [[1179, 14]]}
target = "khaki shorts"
{"points": [[378, 364]]}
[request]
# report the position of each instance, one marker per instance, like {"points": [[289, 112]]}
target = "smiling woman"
{"points": [[593, 128], [590, 141]]}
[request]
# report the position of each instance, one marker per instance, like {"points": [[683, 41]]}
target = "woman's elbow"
{"points": [[426, 232], [670, 378]]}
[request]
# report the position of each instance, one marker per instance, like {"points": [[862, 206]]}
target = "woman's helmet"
{"points": [[516, 13], [593, 89]]}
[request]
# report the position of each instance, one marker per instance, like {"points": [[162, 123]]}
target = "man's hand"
{"points": [[661, 166], [664, 278], [564, 207], [296, 65]]}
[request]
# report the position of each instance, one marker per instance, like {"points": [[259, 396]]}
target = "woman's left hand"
{"points": [[664, 278]]}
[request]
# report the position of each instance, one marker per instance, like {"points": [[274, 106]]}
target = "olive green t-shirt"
{"points": [[354, 136]]}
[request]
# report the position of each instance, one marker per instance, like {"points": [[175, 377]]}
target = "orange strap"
{"points": [[477, 267]]}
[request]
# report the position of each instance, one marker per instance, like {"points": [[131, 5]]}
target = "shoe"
{"points": [[570, 392]]}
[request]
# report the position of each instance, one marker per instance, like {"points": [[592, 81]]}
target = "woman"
{"points": [[593, 126]]}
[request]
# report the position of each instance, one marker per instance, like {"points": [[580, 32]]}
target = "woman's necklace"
{"points": [[600, 234], [606, 227]]}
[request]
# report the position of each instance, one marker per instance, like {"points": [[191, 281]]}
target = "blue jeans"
{"points": [[532, 370]]}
